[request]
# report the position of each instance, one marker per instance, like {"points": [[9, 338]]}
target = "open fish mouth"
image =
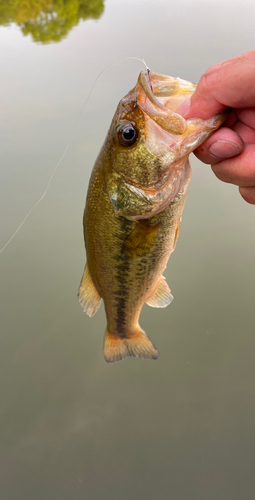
{"points": [[160, 95]]}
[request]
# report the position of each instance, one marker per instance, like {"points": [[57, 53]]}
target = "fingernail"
{"points": [[224, 149], [183, 108]]}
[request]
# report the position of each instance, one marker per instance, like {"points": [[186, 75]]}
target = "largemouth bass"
{"points": [[134, 204]]}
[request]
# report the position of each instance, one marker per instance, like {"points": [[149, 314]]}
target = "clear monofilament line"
{"points": [[66, 148]]}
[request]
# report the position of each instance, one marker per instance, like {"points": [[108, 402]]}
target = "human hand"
{"points": [[231, 149]]}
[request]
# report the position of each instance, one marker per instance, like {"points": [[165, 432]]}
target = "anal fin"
{"points": [[88, 295], [162, 296]]}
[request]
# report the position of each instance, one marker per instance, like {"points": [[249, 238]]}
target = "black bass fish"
{"points": [[134, 204]]}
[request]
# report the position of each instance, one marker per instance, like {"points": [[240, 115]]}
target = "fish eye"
{"points": [[128, 135]]}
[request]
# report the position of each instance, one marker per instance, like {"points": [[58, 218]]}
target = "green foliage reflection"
{"points": [[48, 20]]}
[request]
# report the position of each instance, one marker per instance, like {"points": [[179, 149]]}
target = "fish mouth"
{"points": [[167, 134], [160, 95]]}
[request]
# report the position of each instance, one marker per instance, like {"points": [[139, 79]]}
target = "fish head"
{"points": [[149, 144]]}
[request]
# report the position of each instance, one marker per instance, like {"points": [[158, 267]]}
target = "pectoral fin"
{"points": [[141, 239], [162, 296], [88, 295]]}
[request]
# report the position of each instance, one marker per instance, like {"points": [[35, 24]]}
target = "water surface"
{"points": [[72, 426]]}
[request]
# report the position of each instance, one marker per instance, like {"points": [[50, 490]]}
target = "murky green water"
{"points": [[72, 426]]}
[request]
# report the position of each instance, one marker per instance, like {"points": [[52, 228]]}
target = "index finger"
{"points": [[227, 84]]}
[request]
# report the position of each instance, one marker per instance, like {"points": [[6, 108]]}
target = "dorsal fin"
{"points": [[88, 295], [162, 296]]}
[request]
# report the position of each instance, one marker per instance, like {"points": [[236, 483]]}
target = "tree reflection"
{"points": [[48, 20]]}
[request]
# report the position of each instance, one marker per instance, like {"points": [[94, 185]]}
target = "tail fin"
{"points": [[138, 345]]}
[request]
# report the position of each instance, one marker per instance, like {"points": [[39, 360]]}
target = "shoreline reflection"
{"points": [[48, 21]]}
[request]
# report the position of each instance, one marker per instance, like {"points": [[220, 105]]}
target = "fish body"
{"points": [[134, 204]]}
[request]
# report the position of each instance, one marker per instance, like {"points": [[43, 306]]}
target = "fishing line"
{"points": [[67, 147]]}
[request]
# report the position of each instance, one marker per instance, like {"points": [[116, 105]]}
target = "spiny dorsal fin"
{"points": [[88, 295], [162, 296], [137, 344]]}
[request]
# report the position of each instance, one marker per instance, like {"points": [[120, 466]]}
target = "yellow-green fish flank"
{"points": [[134, 204]]}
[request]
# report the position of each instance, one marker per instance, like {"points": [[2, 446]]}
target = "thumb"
{"points": [[227, 84]]}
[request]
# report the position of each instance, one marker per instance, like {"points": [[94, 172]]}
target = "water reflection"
{"points": [[48, 20]]}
